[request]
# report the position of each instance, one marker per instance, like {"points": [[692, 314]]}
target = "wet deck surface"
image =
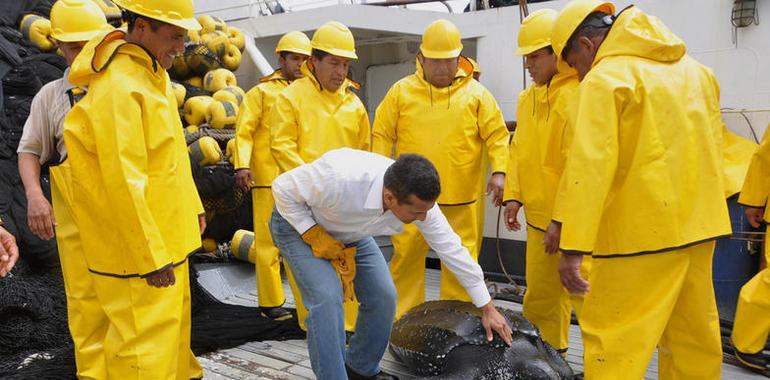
{"points": [[235, 283]]}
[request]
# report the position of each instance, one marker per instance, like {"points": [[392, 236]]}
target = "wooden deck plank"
{"points": [[271, 352], [260, 360], [300, 371]]}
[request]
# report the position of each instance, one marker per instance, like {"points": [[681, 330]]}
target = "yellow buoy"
{"points": [[242, 245], [222, 114]]}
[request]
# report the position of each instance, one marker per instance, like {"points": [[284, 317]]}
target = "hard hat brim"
{"points": [[79, 36], [340, 53], [74, 37], [526, 50], [441, 54], [293, 50], [187, 23]]}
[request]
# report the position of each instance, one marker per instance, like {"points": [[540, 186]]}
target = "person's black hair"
{"points": [[595, 24], [319, 54], [131, 17], [412, 174]]}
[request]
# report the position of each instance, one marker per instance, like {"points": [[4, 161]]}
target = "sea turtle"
{"points": [[445, 340]]}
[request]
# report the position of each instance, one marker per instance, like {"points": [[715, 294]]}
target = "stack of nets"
{"points": [[228, 207], [35, 342]]}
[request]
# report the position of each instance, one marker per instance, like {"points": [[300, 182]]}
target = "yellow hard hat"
{"points": [[294, 42], [335, 39], [570, 18], [77, 20], [441, 40], [174, 12], [535, 31]]}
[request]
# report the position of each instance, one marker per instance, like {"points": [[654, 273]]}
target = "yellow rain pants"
{"points": [[253, 152], [547, 304], [85, 318], [149, 338], [636, 302], [752, 324], [268, 265], [407, 266]]}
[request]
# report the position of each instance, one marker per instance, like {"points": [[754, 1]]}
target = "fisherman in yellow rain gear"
{"points": [[73, 23], [441, 100], [643, 192], [320, 112], [537, 155], [256, 170], [133, 196], [752, 324]]}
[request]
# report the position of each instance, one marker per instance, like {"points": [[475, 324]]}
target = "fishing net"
{"points": [[35, 342]]}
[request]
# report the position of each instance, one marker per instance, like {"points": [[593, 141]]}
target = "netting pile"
{"points": [[35, 342]]}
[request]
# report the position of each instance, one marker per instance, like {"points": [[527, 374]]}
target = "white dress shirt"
{"points": [[342, 191]]}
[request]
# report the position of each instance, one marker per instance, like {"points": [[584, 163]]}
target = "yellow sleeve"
{"points": [[756, 186], [493, 132], [364, 131], [737, 153], [591, 164], [385, 122], [122, 155], [284, 133], [512, 189], [248, 122]]}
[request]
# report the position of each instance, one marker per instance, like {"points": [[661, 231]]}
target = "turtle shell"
{"points": [[446, 339]]}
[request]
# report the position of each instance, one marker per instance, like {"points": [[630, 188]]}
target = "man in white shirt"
{"points": [[326, 214]]}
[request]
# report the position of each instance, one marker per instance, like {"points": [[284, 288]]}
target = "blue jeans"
{"points": [[322, 293]]}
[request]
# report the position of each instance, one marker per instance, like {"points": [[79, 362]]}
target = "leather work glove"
{"points": [[343, 259], [346, 268], [324, 246]]}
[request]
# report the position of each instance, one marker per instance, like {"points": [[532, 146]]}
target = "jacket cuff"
{"points": [[505, 201], [746, 200]]}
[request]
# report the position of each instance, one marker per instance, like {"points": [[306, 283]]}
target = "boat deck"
{"points": [[234, 283]]}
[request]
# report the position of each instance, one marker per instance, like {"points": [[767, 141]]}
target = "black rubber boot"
{"points": [[275, 313]]}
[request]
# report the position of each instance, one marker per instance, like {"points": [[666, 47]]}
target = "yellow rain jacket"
{"points": [[449, 126], [737, 153], [134, 198], [252, 139], [756, 186], [539, 146], [644, 171], [308, 121]]}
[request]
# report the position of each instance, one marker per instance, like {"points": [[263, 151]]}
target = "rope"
{"points": [[221, 135], [517, 290]]}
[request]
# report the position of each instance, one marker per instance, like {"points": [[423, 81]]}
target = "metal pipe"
{"points": [[257, 57], [746, 110]]}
